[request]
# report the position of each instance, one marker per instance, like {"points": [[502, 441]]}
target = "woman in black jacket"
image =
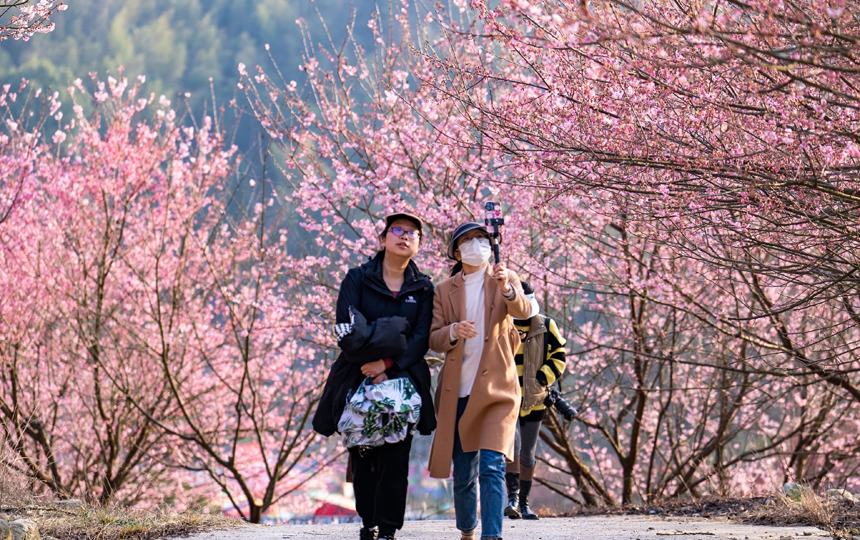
{"points": [[395, 301]]}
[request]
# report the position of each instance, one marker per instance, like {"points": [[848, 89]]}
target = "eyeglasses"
{"points": [[397, 231]]}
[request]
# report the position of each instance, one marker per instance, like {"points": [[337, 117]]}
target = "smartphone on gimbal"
{"points": [[493, 218]]}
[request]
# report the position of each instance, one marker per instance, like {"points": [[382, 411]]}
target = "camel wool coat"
{"points": [[490, 419]]}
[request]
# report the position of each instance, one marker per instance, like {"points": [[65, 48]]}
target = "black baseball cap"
{"points": [[391, 218], [460, 231]]}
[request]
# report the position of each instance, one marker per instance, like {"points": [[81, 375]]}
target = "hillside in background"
{"points": [[177, 44]]}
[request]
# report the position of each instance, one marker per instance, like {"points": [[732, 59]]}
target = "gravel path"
{"points": [[580, 528]]}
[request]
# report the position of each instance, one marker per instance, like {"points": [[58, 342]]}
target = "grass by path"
{"points": [[115, 523], [839, 518], [831, 519]]}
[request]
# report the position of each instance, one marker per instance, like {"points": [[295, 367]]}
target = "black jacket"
{"points": [[365, 290]]}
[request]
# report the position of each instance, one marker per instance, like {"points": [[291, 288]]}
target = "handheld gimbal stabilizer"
{"points": [[493, 218]]}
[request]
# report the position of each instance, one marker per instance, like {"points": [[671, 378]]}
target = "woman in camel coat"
{"points": [[488, 413]]}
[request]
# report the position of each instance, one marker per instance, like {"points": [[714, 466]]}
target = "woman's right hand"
{"points": [[373, 369], [465, 330]]}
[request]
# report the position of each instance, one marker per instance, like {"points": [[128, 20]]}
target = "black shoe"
{"points": [[511, 510], [525, 511], [367, 534], [512, 480], [387, 537]]}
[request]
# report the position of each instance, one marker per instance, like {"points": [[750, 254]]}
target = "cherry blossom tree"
{"points": [[152, 347], [241, 358], [676, 404], [71, 429], [725, 131], [731, 122], [24, 121]]}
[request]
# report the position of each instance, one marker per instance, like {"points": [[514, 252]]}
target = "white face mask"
{"points": [[476, 251]]}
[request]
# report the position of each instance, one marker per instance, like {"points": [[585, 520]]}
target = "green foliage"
{"points": [[177, 44]]}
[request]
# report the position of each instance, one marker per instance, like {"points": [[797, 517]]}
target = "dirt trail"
{"points": [[578, 528]]}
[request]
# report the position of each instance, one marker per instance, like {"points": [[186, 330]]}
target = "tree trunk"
{"points": [[255, 512], [581, 474]]}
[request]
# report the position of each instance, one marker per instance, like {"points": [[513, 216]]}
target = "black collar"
{"points": [[413, 279]]}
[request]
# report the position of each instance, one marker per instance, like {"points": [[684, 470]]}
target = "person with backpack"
{"points": [[383, 318], [478, 395], [540, 362]]}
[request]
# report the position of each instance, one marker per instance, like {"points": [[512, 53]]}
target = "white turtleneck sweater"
{"points": [[473, 347]]}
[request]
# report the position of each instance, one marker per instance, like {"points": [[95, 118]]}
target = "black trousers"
{"points": [[380, 480]]}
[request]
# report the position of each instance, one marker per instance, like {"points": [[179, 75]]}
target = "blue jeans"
{"points": [[484, 467]]}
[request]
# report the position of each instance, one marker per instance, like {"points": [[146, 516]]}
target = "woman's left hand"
{"points": [[373, 369]]}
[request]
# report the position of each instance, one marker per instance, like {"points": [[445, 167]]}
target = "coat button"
{"points": [[485, 372], [486, 338]]}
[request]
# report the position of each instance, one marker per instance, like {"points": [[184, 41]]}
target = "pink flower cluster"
{"points": [[28, 17]]}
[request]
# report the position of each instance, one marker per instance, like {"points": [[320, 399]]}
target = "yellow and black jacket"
{"points": [[541, 352]]}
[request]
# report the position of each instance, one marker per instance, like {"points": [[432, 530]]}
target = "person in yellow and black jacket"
{"points": [[540, 362]]}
